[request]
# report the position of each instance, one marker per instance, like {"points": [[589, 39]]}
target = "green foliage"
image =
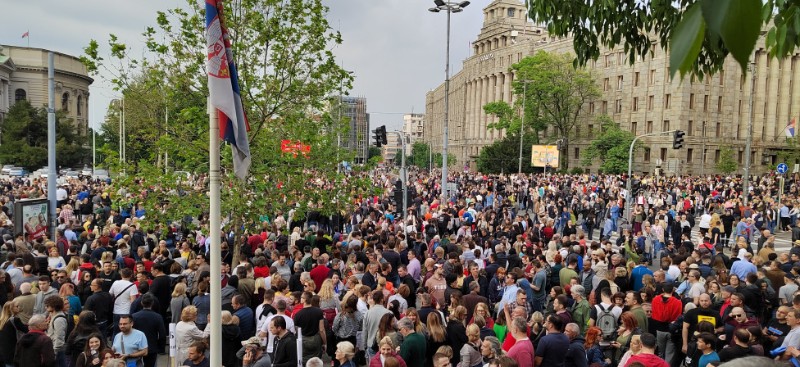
{"points": [[727, 162], [790, 154], [287, 73], [502, 156], [556, 92], [610, 148], [576, 171], [373, 152], [24, 139], [700, 34]]}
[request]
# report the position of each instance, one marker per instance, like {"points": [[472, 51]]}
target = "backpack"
{"points": [[70, 324], [606, 322]]}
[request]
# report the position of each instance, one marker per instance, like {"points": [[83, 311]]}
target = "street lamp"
{"points": [[450, 7]]}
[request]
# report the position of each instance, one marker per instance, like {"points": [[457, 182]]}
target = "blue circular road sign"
{"points": [[783, 168]]}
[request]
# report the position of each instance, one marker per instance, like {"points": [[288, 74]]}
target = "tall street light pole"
{"points": [[449, 7], [749, 141]]}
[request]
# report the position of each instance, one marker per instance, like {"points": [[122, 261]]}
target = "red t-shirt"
{"points": [[319, 274], [522, 352]]}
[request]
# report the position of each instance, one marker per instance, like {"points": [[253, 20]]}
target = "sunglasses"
{"points": [[737, 316]]}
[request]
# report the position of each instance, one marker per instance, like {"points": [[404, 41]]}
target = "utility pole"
{"points": [[629, 198], [51, 145]]}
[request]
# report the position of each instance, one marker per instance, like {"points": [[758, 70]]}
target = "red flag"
{"points": [[26, 34]]}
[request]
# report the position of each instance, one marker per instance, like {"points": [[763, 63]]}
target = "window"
{"points": [[689, 128], [650, 101], [719, 103], [618, 106], [511, 12], [741, 82], [665, 126], [647, 154], [648, 128], [652, 77], [667, 100], [703, 129], [705, 103], [20, 95], [577, 153], [591, 107], [722, 77], [689, 155], [740, 106], [589, 128], [636, 79], [620, 57], [604, 108], [65, 101], [740, 158], [663, 154], [608, 60], [605, 84], [619, 82], [718, 130], [634, 127], [691, 101], [716, 156], [79, 108], [635, 104]]}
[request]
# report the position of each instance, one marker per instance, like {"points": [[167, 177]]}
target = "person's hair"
{"points": [[377, 297], [54, 301], [742, 335], [496, 346], [557, 322], [385, 325], [189, 313], [6, 313], [435, 328], [473, 332], [279, 322], [199, 346], [315, 362], [386, 340], [102, 343], [627, 320], [459, 313], [180, 290], [326, 290], [405, 323], [648, 340], [390, 362], [226, 318], [593, 336], [439, 356], [519, 324], [347, 349], [506, 361], [115, 362], [708, 338]]}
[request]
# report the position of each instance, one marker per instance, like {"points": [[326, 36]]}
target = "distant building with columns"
{"points": [[641, 98], [23, 76]]}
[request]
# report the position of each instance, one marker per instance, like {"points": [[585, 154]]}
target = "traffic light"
{"points": [[380, 136], [677, 139]]}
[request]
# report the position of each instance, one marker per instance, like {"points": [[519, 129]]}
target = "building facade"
{"points": [[389, 151], [354, 110], [414, 127], [640, 97], [23, 76]]}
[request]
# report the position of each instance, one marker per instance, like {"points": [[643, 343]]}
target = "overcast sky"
{"points": [[396, 48]]}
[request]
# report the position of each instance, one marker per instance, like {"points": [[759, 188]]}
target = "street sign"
{"points": [[783, 168]]}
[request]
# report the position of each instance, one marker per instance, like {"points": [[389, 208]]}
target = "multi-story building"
{"points": [[354, 110], [389, 151], [640, 97], [23, 76], [413, 126]]}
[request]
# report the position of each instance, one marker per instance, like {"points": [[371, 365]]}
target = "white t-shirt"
{"points": [[271, 338], [122, 304]]}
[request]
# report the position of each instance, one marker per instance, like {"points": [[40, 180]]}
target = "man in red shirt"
{"points": [[320, 272], [647, 356], [522, 350], [666, 309]]}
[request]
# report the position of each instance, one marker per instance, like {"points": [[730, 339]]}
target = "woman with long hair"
{"points": [[10, 327], [178, 302], [231, 339], [73, 269], [328, 302], [84, 329], [481, 309], [437, 337], [202, 301], [67, 293], [627, 325], [413, 315], [457, 331], [500, 328], [92, 352], [386, 328], [594, 355]]}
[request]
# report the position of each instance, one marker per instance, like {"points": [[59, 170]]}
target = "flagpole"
{"points": [[214, 232]]}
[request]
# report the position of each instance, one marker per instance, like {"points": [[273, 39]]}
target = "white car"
{"points": [[17, 172], [100, 174], [6, 169]]}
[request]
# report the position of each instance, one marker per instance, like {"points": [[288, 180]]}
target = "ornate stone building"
{"points": [[640, 97], [23, 75]]}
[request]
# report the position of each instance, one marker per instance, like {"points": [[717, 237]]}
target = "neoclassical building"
{"points": [[23, 75], [640, 97]]}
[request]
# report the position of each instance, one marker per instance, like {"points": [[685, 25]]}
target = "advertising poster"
{"points": [[544, 156], [31, 218]]}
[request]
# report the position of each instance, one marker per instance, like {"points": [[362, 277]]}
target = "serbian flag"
{"points": [[791, 128], [223, 85], [26, 34]]}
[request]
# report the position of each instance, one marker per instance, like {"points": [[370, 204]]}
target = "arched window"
{"points": [[20, 95], [65, 101], [511, 12], [80, 104]]}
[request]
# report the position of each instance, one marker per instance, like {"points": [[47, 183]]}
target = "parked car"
{"points": [[17, 172], [100, 174], [6, 169]]}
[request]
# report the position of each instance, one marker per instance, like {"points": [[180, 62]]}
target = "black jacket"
{"points": [[576, 354], [152, 325], [284, 354]]}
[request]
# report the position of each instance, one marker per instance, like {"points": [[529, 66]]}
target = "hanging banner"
{"points": [[544, 156]]}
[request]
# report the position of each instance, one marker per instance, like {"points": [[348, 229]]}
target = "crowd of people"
{"points": [[510, 270]]}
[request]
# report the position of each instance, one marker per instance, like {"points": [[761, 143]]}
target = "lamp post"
{"points": [[450, 7], [749, 141]]}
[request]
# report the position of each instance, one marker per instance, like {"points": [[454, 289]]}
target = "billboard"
{"points": [[31, 216], [544, 156]]}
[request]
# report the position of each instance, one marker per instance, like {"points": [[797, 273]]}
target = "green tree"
{"points": [[558, 92], [727, 163], [502, 156], [373, 152], [610, 148], [698, 33], [287, 73], [24, 139]]}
